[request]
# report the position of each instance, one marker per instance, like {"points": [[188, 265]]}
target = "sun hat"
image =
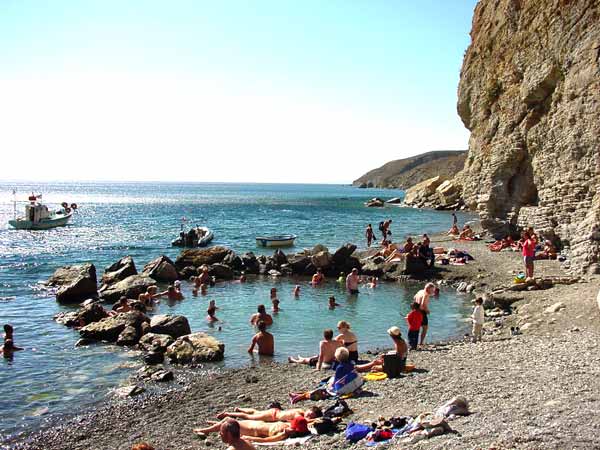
{"points": [[394, 332], [299, 424]]}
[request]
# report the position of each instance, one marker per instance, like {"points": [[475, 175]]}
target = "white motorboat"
{"points": [[196, 237]]}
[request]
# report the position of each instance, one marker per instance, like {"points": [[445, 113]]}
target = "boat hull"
{"points": [[275, 241], [202, 242], [44, 224]]}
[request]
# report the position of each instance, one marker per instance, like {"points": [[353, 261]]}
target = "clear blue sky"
{"points": [[264, 90]]}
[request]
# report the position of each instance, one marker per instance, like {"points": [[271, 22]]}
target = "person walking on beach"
{"points": [[528, 250], [352, 281], [478, 318], [422, 298], [414, 320], [230, 434], [263, 340], [369, 234]]}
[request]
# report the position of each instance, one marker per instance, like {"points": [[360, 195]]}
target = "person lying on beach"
{"points": [[263, 340], [348, 339], [273, 414], [230, 434], [258, 431], [261, 316], [507, 242], [326, 356], [317, 278], [400, 350], [332, 303]]}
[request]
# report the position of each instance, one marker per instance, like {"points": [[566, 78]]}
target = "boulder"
{"points": [[448, 193], [234, 261], [279, 258], [123, 268], [130, 287], [317, 249], [188, 272], [195, 348], [155, 342], [250, 263], [555, 308], [321, 260], [341, 255], [221, 271], [421, 191], [129, 336], [299, 263], [414, 266], [200, 256], [109, 328], [154, 357], [505, 299], [174, 326], [90, 313], [129, 391], [374, 203], [162, 375], [161, 269], [75, 283], [371, 268]]}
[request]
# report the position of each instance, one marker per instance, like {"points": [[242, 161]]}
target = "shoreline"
{"points": [[166, 418]]}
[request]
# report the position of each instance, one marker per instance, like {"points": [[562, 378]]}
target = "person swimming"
{"points": [[275, 303], [317, 278], [332, 303], [296, 291]]}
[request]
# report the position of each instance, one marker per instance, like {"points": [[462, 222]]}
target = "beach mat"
{"points": [[290, 441]]}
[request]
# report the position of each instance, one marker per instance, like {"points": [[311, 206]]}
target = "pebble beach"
{"points": [[534, 390]]}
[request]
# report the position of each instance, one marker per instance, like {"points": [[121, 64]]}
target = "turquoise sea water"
{"points": [[140, 219]]}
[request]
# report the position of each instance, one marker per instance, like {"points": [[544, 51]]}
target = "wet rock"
{"points": [[371, 268], [200, 256], [154, 357], [414, 266], [154, 341], [221, 271], [250, 263], [162, 376], [129, 391], [110, 328], [161, 269], [321, 260], [129, 336], [188, 272], [83, 342], [234, 261], [75, 283], [92, 312], [279, 258], [130, 287], [174, 326], [342, 254], [195, 348], [299, 263], [317, 249], [123, 268]]}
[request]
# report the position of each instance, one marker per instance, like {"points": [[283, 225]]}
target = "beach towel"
{"points": [[289, 441]]}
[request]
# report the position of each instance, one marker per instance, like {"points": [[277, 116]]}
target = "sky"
{"points": [[229, 91]]}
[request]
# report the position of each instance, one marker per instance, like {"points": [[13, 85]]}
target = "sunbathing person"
{"points": [[453, 231], [273, 414], [258, 431], [326, 356], [466, 233], [548, 252]]}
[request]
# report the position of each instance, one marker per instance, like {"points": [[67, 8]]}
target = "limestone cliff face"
{"points": [[530, 94]]}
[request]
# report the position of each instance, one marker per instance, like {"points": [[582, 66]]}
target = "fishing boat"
{"points": [[196, 237], [283, 240], [39, 217]]}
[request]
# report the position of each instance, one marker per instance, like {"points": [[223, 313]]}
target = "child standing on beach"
{"points": [[478, 318], [414, 320]]}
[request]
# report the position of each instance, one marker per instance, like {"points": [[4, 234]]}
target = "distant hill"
{"points": [[404, 173]]}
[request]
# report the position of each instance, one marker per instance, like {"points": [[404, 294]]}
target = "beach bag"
{"points": [[339, 409], [393, 365], [356, 431], [322, 425]]}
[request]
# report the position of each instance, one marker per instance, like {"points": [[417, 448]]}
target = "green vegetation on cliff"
{"points": [[404, 173]]}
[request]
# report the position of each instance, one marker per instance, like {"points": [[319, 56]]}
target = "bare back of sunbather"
{"points": [[268, 415]]}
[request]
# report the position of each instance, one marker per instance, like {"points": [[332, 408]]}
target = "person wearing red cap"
{"points": [[258, 431]]}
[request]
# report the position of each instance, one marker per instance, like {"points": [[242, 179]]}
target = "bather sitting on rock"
{"points": [[150, 297], [258, 431], [326, 356], [273, 414], [121, 307]]}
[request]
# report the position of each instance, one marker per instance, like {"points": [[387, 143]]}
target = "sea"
{"points": [[52, 378]]}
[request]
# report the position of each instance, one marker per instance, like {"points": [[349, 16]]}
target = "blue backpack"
{"points": [[357, 431]]}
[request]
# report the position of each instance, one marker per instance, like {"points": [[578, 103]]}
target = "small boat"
{"points": [[196, 237], [39, 217], [283, 240]]}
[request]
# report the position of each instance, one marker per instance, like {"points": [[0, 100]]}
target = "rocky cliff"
{"points": [[404, 173], [530, 94]]}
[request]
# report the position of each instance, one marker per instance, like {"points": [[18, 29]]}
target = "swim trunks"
{"points": [[425, 321]]}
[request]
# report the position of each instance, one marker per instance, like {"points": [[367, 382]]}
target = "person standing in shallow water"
{"points": [[422, 298], [369, 234], [263, 340]]}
